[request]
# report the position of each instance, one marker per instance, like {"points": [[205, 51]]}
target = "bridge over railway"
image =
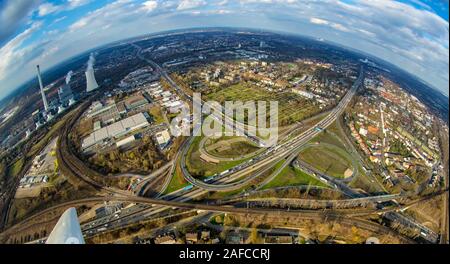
{"points": [[71, 165], [324, 204], [259, 207], [305, 214], [274, 154]]}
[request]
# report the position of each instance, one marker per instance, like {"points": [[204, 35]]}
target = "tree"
{"points": [[218, 219], [112, 155], [146, 164], [254, 236]]}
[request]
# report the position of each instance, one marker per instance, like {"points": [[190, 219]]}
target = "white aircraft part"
{"points": [[67, 230]]}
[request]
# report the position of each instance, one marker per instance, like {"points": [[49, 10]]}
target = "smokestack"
{"points": [[44, 99], [90, 75], [69, 77]]}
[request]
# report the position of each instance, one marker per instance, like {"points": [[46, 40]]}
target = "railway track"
{"points": [[70, 164], [305, 213]]}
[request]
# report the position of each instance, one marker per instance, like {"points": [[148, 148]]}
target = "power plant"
{"points": [[66, 97], [65, 94], [55, 107], [90, 75], [44, 99]]}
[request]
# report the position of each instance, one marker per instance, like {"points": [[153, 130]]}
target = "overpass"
{"points": [[274, 154]]}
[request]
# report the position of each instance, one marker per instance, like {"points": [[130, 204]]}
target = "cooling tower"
{"points": [[91, 82], [44, 99]]}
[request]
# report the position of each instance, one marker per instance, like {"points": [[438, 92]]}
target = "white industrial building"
{"points": [[98, 108], [118, 129], [162, 138], [126, 141]]}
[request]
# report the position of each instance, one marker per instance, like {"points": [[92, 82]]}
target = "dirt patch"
{"points": [[348, 173]]}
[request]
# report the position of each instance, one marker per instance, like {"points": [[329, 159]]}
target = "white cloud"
{"points": [[190, 4], [13, 15], [222, 3], [415, 40], [48, 8], [150, 5], [78, 3], [318, 21], [59, 19], [340, 27], [13, 54]]}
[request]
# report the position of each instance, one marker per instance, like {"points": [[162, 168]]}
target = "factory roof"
{"points": [[163, 137], [116, 129], [125, 141]]}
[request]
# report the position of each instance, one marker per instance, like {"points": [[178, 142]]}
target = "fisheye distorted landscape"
{"points": [[224, 122]]}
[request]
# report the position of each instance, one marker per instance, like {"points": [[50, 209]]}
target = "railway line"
{"points": [[291, 146], [77, 169], [306, 214], [70, 164], [274, 154], [159, 204]]}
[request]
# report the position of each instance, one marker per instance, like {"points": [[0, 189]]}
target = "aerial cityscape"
{"points": [[217, 122]]}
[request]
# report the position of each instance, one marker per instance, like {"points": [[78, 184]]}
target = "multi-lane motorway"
{"points": [[218, 115], [273, 154], [226, 181], [134, 214]]}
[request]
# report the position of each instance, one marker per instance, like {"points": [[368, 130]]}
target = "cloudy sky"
{"points": [[412, 34]]}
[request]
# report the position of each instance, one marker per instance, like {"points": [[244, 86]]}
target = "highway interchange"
{"points": [[273, 154], [231, 180]]}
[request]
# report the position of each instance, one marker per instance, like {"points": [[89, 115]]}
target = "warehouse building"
{"points": [[116, 130], [163, 139]]}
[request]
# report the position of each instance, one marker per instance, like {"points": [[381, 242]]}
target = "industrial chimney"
{"points": [[90, 76], [44, 99]]}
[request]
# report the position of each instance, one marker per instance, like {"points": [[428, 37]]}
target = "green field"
{"points": [[292, 107], [201, 169], [290, 176], [15, 169], [157, 115], [329, 160], [228, 147], [332, 136], [178, 182], [222, 195]]}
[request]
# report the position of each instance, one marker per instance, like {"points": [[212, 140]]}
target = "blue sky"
{"points": [[412, 34]]}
